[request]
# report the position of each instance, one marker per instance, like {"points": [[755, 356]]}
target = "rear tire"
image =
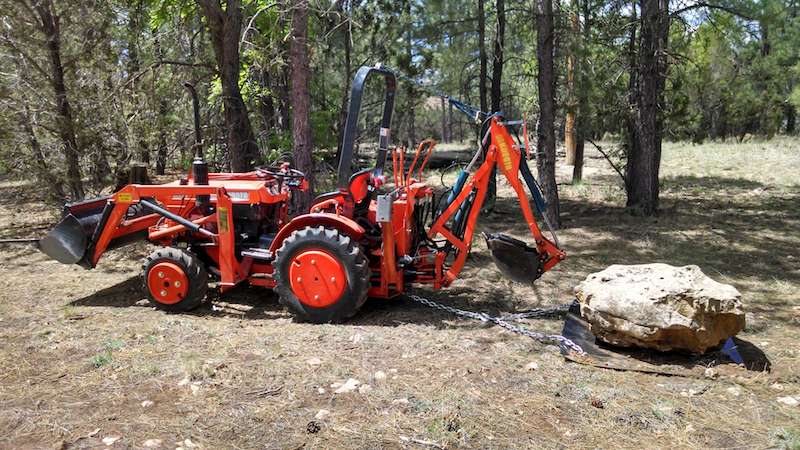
{"points": [[174, 279], [323, 256]]}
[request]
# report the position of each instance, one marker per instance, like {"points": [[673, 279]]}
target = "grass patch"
{"points": [[102, 359], [786, 438]]}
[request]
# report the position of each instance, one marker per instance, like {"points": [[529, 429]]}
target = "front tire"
{"points": [[174, 280], [322, 275]]}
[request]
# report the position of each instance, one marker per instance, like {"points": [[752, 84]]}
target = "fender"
{"points": [[345, 225]]}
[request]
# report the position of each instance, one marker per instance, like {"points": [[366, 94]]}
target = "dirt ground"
{"points": [[85, 363]]}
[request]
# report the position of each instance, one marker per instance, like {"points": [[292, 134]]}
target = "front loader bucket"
{"points": [[517, 260], [69, 241]]}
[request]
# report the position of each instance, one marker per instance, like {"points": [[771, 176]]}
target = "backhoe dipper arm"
{"points": [[502, 153]]}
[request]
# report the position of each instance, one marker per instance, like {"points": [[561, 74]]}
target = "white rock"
{"points": [[364, 388], [789, 401], [189, 444], [379, 375], [400, 401], [356, 338], [109, 440], [147, 403], [532, 366], [152, 443], [323, 413], [195, 389], [734, 391], [710, 372], [776, 386], [661, 307], [321, 390], [349, 386], [184, 382], [314, 362]]}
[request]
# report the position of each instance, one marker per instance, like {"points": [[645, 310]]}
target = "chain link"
{"points": [[503, 321]]}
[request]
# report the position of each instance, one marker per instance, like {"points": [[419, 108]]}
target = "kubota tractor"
{"points": [[368, 238]]}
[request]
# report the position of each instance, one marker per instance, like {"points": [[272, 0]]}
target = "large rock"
{"points": [[661, 307]]}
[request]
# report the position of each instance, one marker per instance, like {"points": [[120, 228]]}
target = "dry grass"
{"points": [[82, 352]]}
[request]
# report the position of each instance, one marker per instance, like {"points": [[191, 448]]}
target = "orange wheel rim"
{"points": [[167, 283], [318, 279]]}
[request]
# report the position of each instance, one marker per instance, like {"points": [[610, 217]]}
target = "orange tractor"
{"points": [[369, 238]]}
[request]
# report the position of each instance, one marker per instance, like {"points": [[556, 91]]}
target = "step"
{"points": [[258, 253]]}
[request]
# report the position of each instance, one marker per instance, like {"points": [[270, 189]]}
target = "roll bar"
{"points": [[348, 141]]}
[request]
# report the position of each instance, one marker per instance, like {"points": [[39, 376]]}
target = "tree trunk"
{"points": [[791, 118], [411, 93], [583, 36], [301, 101], [546, 143], [163, 110], [225, 27], [444, 119], [482, 55], [572, 103], [643, 163], [66, 124], [346, 72], [631, 140], [496, 92], [449, 123], [497, 59]]}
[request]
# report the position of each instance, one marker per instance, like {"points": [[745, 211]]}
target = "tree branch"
{"points": [[699, 5], [10, 43], [153, 66], [614, 166]]}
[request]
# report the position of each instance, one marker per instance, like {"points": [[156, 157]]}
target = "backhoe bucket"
{"points": [[517, 260], [68, 242]]}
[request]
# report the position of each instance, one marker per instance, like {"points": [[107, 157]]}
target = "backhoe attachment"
{"points": [[456, 222]]}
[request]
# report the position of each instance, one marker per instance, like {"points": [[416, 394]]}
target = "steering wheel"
{"points": [[292, 177]]}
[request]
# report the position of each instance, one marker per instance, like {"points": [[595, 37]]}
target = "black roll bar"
{"points": [[348, 141]]}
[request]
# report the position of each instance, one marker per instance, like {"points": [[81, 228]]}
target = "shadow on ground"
{"points": [[253, 303]]}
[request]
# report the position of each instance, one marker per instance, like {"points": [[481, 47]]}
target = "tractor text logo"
{"points": [[505, 154], [223, 219]]}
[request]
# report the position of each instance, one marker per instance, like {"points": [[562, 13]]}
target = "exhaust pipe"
{"points": [[199, 165]]}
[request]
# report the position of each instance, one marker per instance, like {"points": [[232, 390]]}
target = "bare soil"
{"points": [[84, 359]]}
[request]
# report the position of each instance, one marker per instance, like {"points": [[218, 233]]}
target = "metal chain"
{"points": [[503, 321], [538, 313]]}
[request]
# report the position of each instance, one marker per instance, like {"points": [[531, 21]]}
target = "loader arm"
{"points": [[459, 231]]}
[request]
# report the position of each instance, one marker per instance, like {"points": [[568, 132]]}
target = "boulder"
{"points": [[661, 307]]}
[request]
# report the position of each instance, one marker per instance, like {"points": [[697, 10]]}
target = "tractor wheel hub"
{"points": [[318, 279], [167, 283]]}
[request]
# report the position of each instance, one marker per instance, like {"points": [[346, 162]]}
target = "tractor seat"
{"points": [[357, 188]]}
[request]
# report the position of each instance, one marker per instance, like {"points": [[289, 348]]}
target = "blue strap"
{"points": [[533, 186]]}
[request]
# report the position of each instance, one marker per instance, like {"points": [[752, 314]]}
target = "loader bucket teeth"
{"points": [[517, 260]]}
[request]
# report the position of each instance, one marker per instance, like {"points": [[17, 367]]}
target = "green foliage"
{"points": [[786, 438], [102, 359]]}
